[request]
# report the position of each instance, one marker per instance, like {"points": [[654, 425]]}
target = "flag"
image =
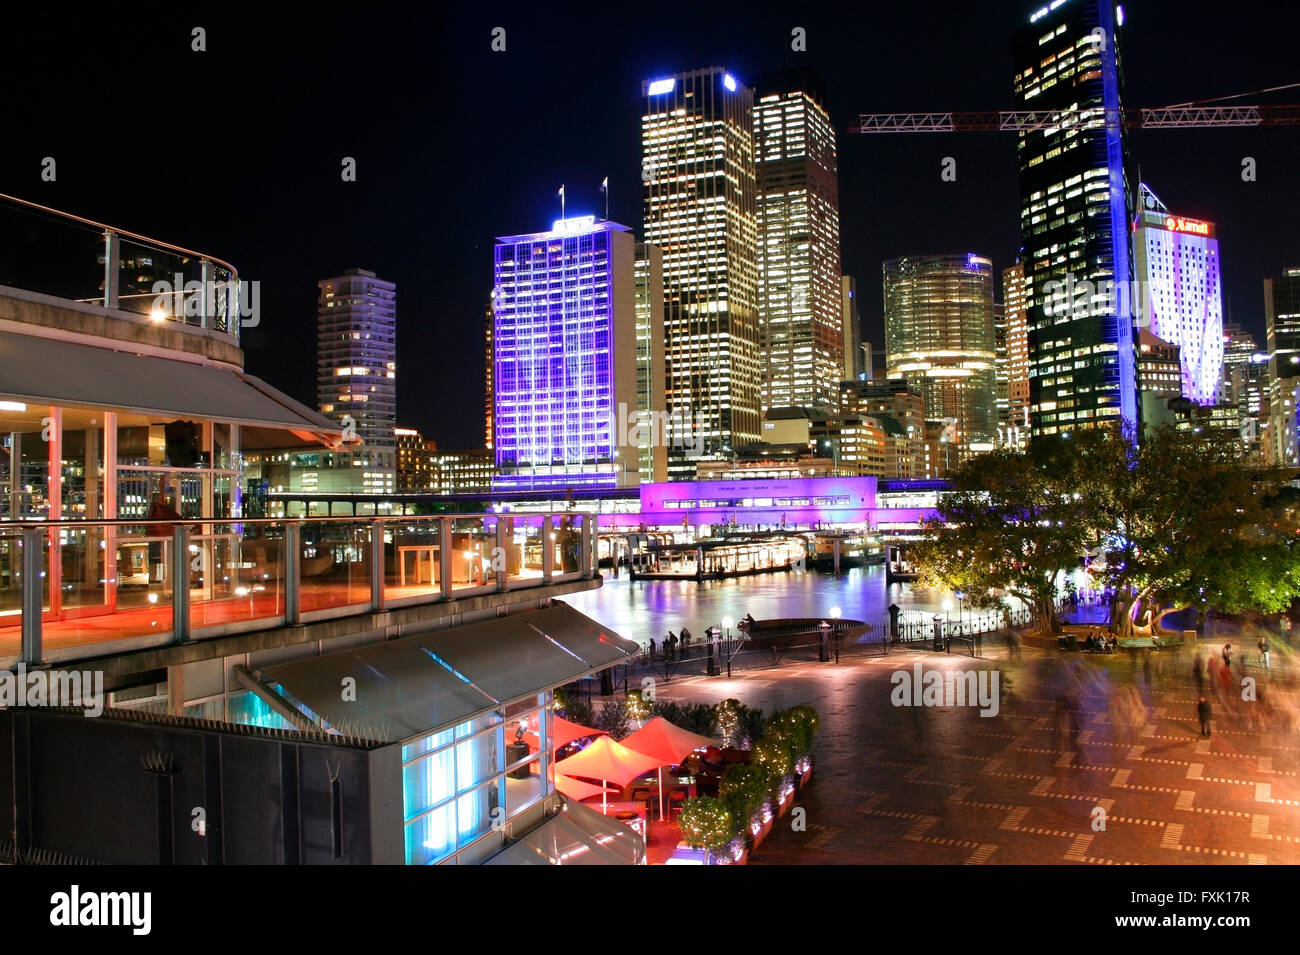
{"points": [[604, 185]]}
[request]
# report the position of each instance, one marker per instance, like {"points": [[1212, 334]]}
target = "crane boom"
{"points": [[1028, 120]]}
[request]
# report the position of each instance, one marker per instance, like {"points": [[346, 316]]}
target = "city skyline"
{"points": [[285, 218]]}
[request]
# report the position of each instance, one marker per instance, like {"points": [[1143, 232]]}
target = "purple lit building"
{"points": [[1181, 301], [564, 358]]}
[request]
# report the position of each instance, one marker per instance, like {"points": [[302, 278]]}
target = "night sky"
{"points": [[236, 151]]}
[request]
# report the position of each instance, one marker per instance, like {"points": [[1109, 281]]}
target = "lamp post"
{"points": [[715, 646], [727, 624], [947, 620], [835, 616], [961, 598]]}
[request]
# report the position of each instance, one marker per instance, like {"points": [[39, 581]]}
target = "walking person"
{"points": [[1203, 711], [652, 648], [1227, 655], [1263, 651]]}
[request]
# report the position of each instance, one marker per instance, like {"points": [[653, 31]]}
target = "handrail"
{"points": [[336, 519], [135, 236]]}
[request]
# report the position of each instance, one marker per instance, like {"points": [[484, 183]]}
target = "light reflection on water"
{"points": [[650, 608]]}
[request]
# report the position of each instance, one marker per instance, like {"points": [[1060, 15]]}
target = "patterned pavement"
{"points": [[944, 785]]}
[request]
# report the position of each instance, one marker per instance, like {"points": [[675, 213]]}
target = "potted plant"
{"points": [[772, 755], [706, 824], [745, 790]]}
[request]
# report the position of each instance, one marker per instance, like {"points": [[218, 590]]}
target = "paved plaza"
{"points": [[1093, 759]]}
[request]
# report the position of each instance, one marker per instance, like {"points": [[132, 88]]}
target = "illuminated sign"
{"points": [[659, 87], [729, 82], [1191, 226], [577, 224]]}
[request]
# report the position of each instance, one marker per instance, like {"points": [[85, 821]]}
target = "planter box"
{"points": [[785, 805], [807, 775], [762, 834]]}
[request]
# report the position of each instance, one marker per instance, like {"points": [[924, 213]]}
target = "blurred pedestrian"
{"points": [[1198, 672], [652, 648], [1203, 711], [1263, 651], [1227, 655]]}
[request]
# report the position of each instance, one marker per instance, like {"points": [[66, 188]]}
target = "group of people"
{"points": [[671, 644], [1101, 642]]}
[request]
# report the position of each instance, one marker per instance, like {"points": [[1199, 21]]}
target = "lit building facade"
{"points": [[856, 363], [356, 377], [1282, 321], [1246, 384], [463, 472], [1159, 375], [1074, 218], [564, 346], [697, 153], [800, 310], [1015, 305], [1181, 299], [651, 446], [939, 338], [415, 453], [489, 373]]}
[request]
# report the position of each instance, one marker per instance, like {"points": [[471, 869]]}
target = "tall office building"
{"points": [[356, 377], [697, 147], [1074, 217], [652, 446], [1245, 384], [1001, 366], [799, 283], [855, 362], [939, 338], [415, 454], [1016, 306], [564, 346], [1181, 300], [489, 365], [1282, 321]]}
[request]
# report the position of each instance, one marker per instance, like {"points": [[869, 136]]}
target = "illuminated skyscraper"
{"points": [[799, 296], [1181, 301], [488, 375], [1015, 306], [857, 354], [356, 376], [1075, 216], [697, 149], [652, 458], [939, 338], [1245, 384], [1282, 320], [564, 345]]}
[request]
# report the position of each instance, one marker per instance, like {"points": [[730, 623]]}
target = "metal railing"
{"points": [[82, 585], [50, 251]]}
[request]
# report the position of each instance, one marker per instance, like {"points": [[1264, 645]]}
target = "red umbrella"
{"points": [[667, 743], [577, 789], [562, 731], [607, 761]]}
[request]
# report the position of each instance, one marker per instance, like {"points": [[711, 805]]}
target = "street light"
{"points": [[947, 609], [961, 597], [727, 624], [835, 615]]}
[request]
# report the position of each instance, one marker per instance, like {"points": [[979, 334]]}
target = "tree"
{"points": [[1180, 521], [1012, 526]]}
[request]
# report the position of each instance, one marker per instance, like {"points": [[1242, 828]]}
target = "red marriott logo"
{"points": [[1193, 226]]}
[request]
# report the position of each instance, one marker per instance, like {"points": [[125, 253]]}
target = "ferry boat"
{"points": [[856, 548]]}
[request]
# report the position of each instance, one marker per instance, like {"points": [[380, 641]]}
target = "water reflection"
{"points": [[650, 608]]}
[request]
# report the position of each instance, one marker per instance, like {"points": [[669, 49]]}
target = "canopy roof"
{"points": [[608, 760], [577, 836], [52, 371], [665, 741], [417, 686]]}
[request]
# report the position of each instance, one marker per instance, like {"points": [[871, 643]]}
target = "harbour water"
{"points": [[643, 609]]}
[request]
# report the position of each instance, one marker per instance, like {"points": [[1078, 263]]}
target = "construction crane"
{"points": [[1181, 116]]}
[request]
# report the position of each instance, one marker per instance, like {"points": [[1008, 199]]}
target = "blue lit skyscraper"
{"points": [[1075, 217], [564, 344]]}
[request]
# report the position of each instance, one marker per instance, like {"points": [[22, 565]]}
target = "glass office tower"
{"points": [[799, 296], [939, 337], [697, 150], [1074, 217]]}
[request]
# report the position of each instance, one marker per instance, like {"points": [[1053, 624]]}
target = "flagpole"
{"points": [[561, 201]]}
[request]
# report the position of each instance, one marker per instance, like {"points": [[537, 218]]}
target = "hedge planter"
{"points": [[804, 768]]}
